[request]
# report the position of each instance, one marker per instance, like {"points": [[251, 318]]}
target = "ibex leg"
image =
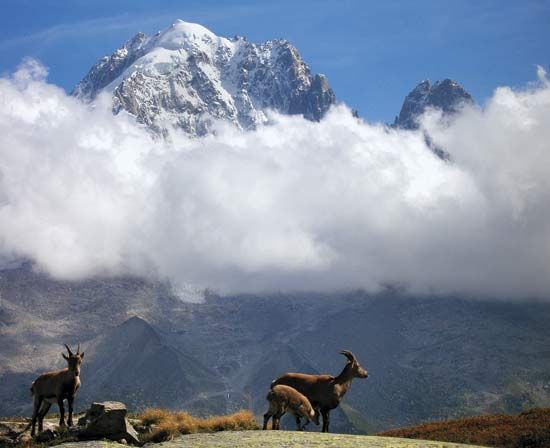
{"points": [[70, 420], [61, 411], [298, 423], [41, 414], [325, 415], [267, 416], [277, 421], [36, 407]]}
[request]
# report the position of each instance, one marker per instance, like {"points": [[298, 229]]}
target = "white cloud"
{"points": [[295, 205]]}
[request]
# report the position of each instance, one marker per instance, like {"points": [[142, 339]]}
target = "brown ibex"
{"points": [[324, 391], [283, 399], [54, 387]]}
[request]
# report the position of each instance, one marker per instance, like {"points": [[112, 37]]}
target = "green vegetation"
{"points": [[530, 429]]}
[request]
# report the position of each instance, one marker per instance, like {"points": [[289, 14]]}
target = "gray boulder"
{"points": [[107, 420]]}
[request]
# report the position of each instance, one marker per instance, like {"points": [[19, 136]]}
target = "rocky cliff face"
{"points": [[186, 77], [447, 95]]}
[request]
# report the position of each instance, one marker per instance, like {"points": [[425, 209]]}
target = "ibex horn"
{"points": [[78, 349], [348, 355], [69, 350]]}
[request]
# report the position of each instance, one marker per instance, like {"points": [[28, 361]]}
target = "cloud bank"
{"points": [[296, 205]]}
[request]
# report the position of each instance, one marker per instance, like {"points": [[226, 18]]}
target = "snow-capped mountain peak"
{"points": [[186, 77], [185, 34]]}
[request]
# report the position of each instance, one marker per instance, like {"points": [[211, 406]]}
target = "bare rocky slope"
{"points": [[276, 439], [294, 439]]}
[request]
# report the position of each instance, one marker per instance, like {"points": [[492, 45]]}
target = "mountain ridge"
{"points": [[186, 77]]}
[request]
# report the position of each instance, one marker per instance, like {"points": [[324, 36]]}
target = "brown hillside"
{"points": [[530, 429]]}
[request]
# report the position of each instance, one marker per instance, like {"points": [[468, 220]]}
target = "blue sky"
{"points": [[373, 52]]}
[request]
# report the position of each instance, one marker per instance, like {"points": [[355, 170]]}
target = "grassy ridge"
{"points": [[530, 429]]}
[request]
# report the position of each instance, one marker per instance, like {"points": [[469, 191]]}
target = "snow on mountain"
{"points": [[447, 95], [187, 77]]}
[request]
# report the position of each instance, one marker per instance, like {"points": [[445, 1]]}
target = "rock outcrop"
{"points": [[446, 95], [107, 420]]}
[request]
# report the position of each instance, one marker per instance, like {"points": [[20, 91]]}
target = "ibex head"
{"points": [[356, 369], [74, 359]]}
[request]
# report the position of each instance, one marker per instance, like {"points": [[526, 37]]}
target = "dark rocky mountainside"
{"points": [[132, 363], [427, 357], [446, 95]]}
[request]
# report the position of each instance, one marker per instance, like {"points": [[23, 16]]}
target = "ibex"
{"points": [[54, 387], [283, 399], [324, 391]]}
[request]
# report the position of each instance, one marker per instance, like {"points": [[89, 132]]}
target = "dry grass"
{"points": [[530, 429], [153, 416], [166, 425]]}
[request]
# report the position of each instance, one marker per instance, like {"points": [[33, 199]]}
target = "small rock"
{"points": [[49, 425], [46, 436], [141, 428], [82, 421], [107, 420], [6, 441], [73, 431], [24, 438]]}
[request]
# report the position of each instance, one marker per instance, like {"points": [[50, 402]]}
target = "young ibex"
{"points": [[283, 399], [324, 391], [54, 387]]}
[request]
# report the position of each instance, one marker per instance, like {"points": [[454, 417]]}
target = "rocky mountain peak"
{"points": [[187, 77], [447, 95]]}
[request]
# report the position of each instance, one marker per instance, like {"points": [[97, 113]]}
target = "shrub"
{"points": [[152, 416], [240, 421], [166, 425], [530, 429]]}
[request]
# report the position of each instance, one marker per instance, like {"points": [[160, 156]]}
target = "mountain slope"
{"points": [[437, 357], [187, 77], [132, 364], [428, 357]]}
